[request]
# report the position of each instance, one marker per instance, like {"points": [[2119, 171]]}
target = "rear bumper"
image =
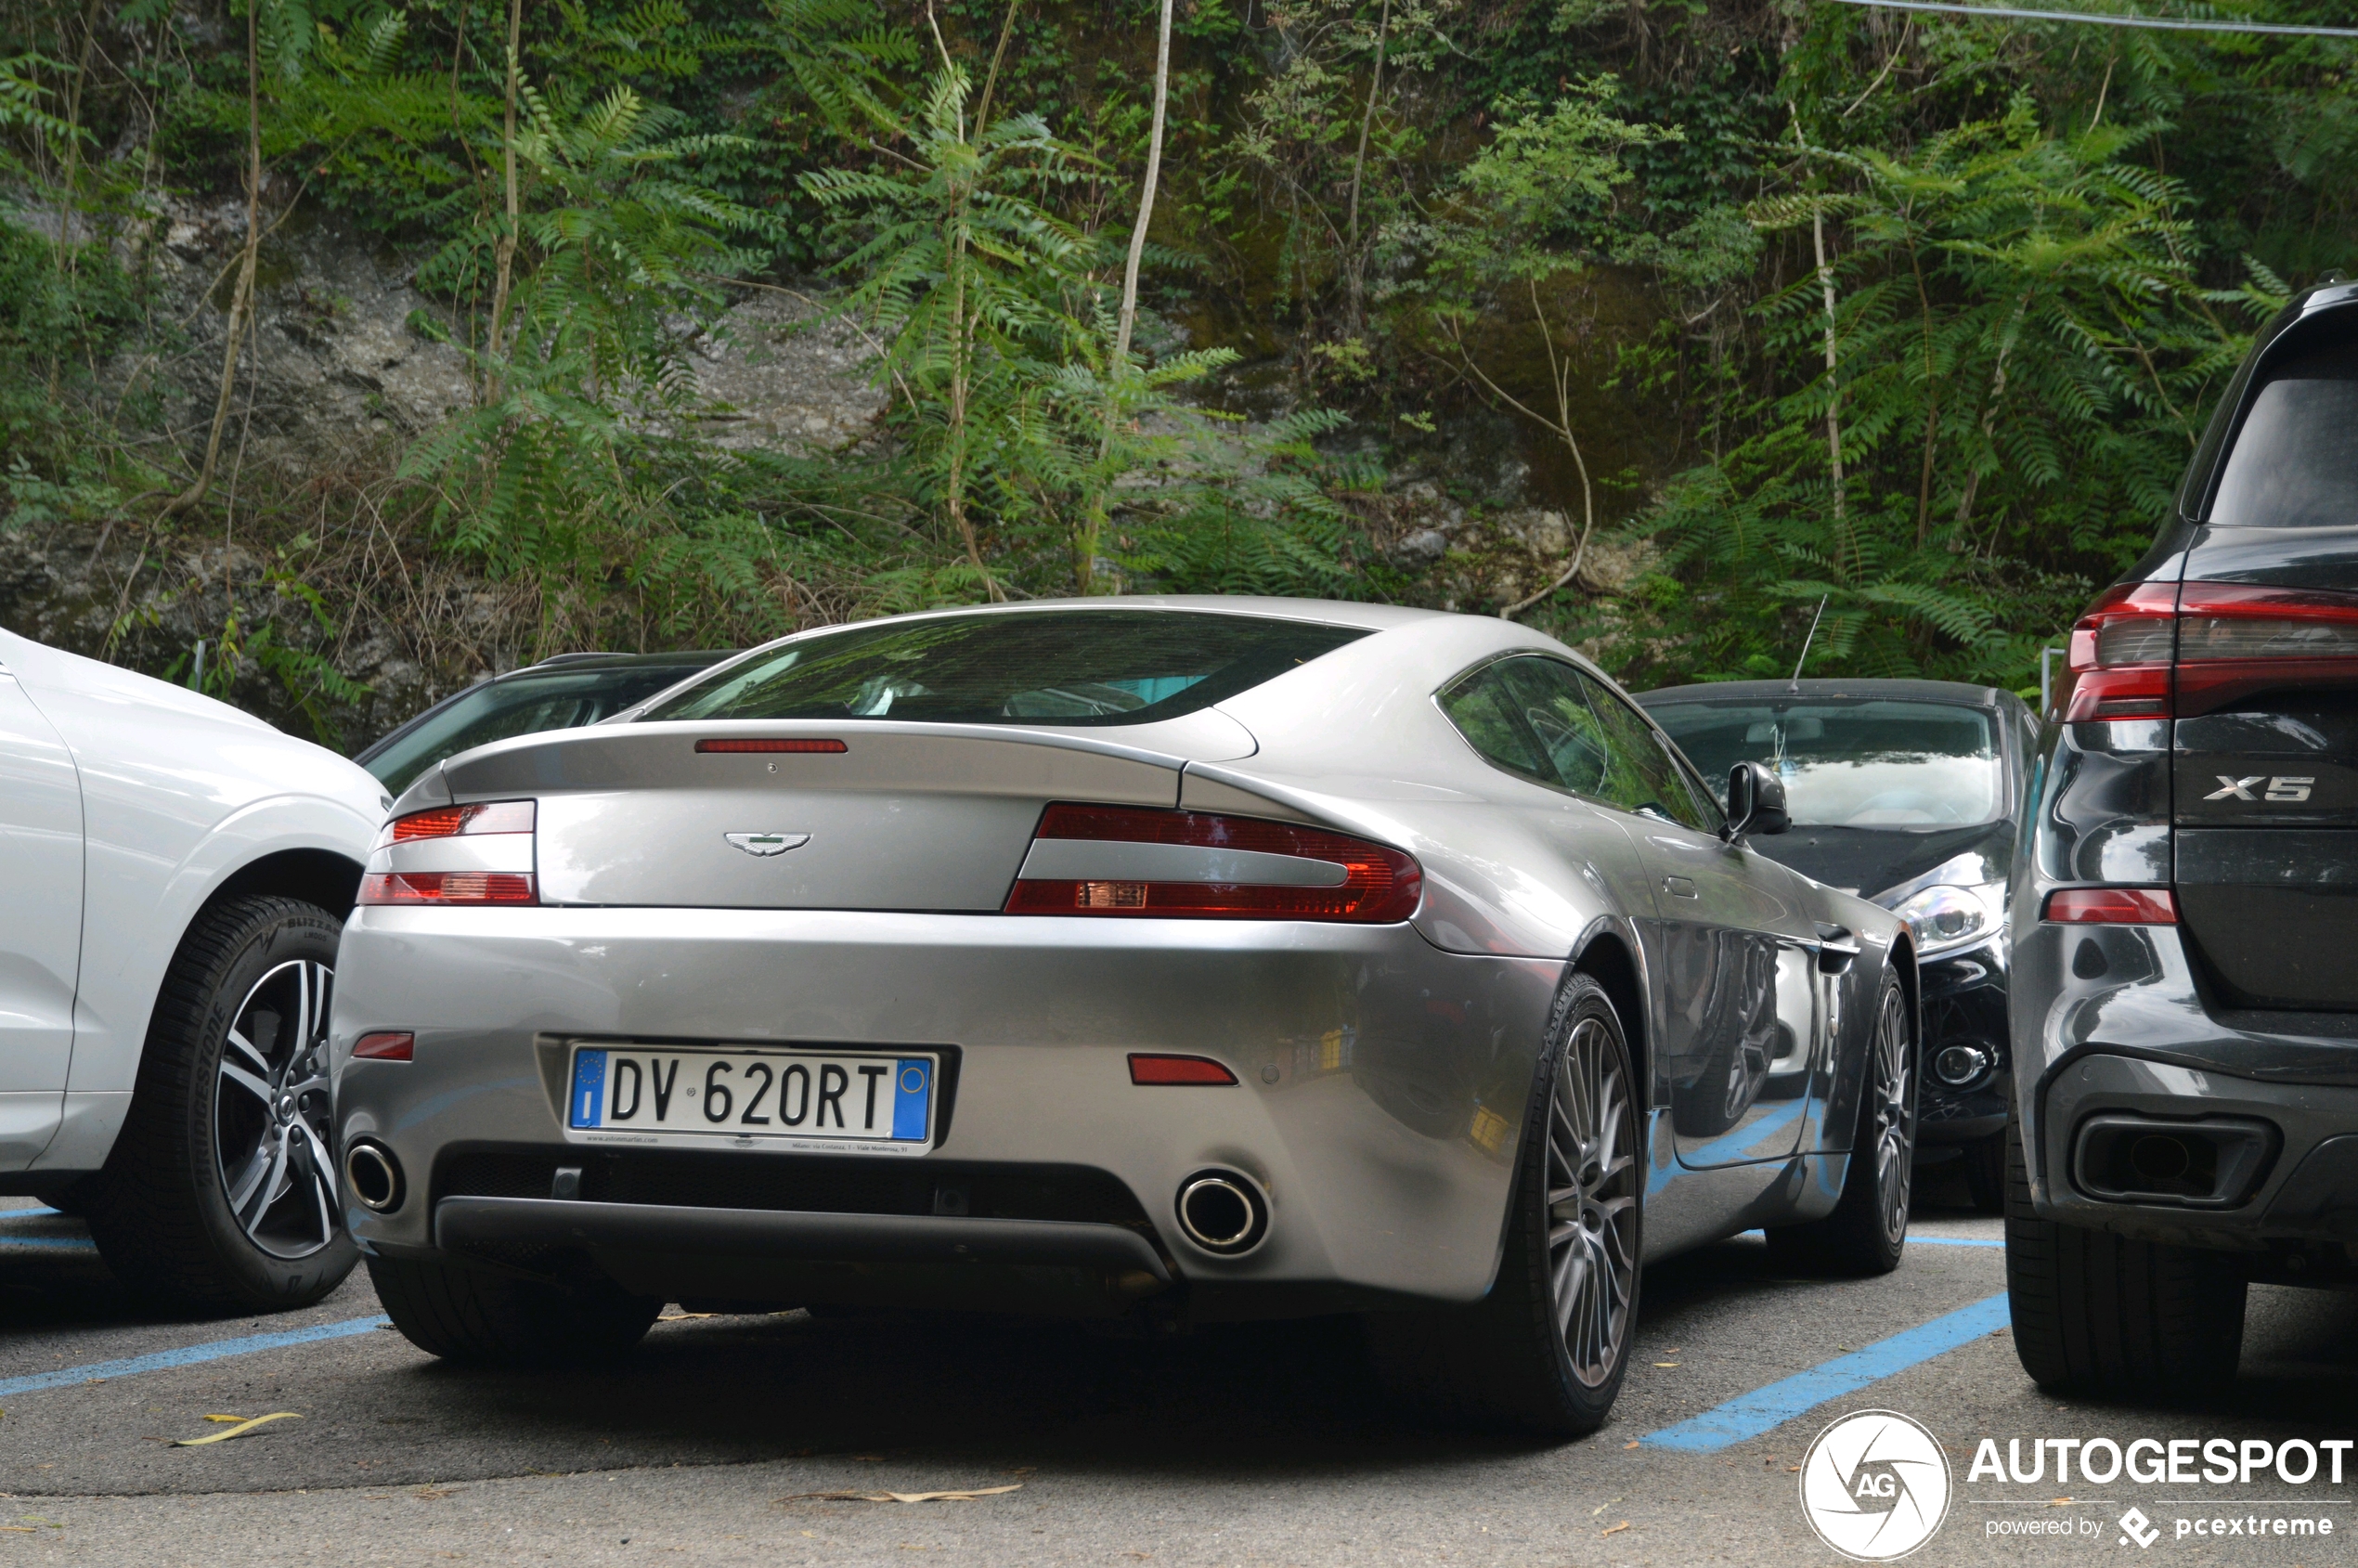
{"points": [[1380, 1088], [2112, 1021]]}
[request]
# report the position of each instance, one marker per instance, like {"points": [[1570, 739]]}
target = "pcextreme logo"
{"points": [[1875, 1485]]}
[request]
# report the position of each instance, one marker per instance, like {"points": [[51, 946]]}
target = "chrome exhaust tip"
{"points": [[373, 1177], [1223, 1212]]}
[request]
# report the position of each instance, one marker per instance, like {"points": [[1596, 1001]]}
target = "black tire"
{"points": [[1986, 1173], [461, 1313], [162, 1210], [1509, 1361], [2100, 1315], [1868, 1231]]}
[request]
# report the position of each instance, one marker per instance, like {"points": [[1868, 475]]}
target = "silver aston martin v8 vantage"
{"points": [[1169, 960]]}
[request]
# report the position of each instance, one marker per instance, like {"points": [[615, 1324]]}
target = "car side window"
{"points": [[1547, 697], [1645, 777], [1483, 711]]}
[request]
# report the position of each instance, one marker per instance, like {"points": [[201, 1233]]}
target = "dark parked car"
{"points": [[563, 692], [2185, 964], [1905, 793]]}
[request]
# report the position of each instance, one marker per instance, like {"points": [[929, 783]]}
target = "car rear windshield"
{"points": [[1865, 763], [522, 705], [2295, 461], [1020, 667]]}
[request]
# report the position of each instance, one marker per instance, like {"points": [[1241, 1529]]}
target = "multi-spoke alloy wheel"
{"points": [[220, 1192], [270, 1112], [1894, 1114], [1592, 1202], [1545, 1351]]}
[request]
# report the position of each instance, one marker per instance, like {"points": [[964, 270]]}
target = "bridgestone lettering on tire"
{"points": [[219, 1193], [1545, 1351]]}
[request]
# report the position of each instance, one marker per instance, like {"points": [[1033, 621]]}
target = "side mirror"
{"points": [[1756, 801]]}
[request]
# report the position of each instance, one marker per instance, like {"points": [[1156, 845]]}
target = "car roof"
{"points": [[1825, 688]]}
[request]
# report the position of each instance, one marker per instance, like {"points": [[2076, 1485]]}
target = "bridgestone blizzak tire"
{"points": [[1868, 1231], [472, 1314], [1503, 1363], [158, 1210], [2098, 1314]]}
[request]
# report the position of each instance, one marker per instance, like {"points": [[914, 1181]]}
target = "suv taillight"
{"points": [[2154, 650], [454, 855], [1198, 866]]}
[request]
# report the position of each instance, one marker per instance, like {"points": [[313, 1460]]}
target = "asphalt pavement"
{"points": [[758, 1439]]}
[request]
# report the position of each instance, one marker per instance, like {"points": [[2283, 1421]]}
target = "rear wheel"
{"points": [[1546, 1350], [2096, 1314], [471, 1314], [1868, 1230], [219, 1194]]}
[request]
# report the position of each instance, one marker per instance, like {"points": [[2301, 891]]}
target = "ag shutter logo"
{"points": [[1875, 1485]]}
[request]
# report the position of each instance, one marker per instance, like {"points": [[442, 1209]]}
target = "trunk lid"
{"points": [[905, 816], [2265, 773]]}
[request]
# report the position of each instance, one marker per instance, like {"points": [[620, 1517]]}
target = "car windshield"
{"points": [[522, 705], [2294, 464], [1858, 764], [1024, 666]]}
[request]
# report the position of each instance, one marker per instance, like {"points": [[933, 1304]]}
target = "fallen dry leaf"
{"points": [[1618, 1528], [243, 1428], [1665, 1364], [901, 1496], [1631, 1444]]}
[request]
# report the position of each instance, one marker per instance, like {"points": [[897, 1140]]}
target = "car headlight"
{"points": [[1946, 916]]}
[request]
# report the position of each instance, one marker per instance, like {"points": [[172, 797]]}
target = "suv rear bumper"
{"points": [[2110, 1021]]}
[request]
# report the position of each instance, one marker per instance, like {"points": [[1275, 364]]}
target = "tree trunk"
{"points": [[1354, 263], [507, 247], [242, 295]]}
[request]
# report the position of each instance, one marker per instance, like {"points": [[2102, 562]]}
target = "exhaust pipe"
{"points": [[1223, 1212], [373, 1177], [2213, 1162]]}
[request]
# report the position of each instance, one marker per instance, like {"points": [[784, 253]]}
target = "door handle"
{"points": [[1679, 887]]}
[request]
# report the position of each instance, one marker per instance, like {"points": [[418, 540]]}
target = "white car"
{"points": [[175, 877]]}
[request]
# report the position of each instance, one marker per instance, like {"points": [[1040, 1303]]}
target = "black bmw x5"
{"points": [[2185, 906]]}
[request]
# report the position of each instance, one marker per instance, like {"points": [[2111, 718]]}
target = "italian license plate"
{"points": [[833, 1100]]}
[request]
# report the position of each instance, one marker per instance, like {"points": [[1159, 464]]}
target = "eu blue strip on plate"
{"points": [[589, 1088], [188, 1355], [1749, 1415], [912, 1085]]}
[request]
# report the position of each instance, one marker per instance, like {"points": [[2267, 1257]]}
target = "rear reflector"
{"points": [[773, 745], [386, 1045], [449, 821], [447, 887], [1178, 1069], [1378, 885], [2112, 906]]}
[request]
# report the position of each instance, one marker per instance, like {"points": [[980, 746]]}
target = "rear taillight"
{"points": [[1161, 864], [2156, 649], [2112, 906], [454, 855], [2234, 640], [2120, 654], [1202, 1071]]}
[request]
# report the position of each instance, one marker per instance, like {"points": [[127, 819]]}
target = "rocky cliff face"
{"points": [[345, 366]]}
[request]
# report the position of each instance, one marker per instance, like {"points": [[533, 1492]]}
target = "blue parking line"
{"points": [[1749, 1415], [190, 1356], [1950, 1241], [63, 1243]]}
